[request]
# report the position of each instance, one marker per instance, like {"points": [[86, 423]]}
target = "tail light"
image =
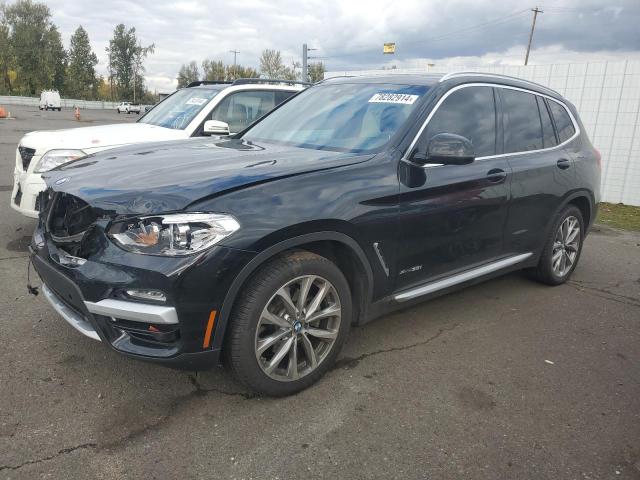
{"points": [[598, 158]]}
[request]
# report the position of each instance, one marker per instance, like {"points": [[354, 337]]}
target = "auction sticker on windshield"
{"points": [[196, 101], [402, 98]]}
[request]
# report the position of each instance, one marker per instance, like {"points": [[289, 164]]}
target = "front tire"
{"points": [[289, 324], [562, 248]]}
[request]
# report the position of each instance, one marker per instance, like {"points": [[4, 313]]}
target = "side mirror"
{"points": [[446, 149], [215, 127]]}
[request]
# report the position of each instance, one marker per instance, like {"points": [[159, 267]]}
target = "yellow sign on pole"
{"points": [[389, 48]]}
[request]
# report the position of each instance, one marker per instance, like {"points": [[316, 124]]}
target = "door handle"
{"points": [[496, 175], [563, 163]]}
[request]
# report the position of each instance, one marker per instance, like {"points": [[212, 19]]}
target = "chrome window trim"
{"points": [[493, 85]]}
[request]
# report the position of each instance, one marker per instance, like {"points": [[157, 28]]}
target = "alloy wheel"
{"points": [[565, 246], [297, 328]]}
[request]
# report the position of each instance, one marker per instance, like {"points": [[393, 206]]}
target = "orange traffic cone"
{"points": [[3, 113], [77, 113]]}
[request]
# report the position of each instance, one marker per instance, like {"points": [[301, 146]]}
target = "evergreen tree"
{"points": [[81, 80]]}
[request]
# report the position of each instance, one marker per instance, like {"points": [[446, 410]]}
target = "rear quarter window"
{"points": [[564, 125]]}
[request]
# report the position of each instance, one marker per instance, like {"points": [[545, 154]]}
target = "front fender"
{"points": [[275, 249]]}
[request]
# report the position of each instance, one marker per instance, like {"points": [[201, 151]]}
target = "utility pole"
{"points": [[305, 62], [235, 53], [535, 11]]}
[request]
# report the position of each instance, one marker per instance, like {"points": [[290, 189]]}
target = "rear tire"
{"points": [[289, 324], [562, 248]]}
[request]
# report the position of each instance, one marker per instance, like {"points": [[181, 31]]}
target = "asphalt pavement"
{"points": [[504, 380]]}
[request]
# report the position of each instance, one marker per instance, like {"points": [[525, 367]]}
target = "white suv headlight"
{"points": [[174, 234], [55, 158]]}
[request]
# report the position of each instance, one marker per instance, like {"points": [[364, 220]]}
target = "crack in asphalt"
{"points": [[348, 363], [13, 258], [608, 295], [64, 451], [199, 390]]}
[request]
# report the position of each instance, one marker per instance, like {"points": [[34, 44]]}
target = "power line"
{"points": [[490, 23]]}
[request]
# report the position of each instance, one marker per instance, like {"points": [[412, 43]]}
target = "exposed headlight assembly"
{"points": [[173, 235], [55, 158]]}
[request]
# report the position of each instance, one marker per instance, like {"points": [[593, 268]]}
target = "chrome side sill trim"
{"points": [[134, 311], [75, 320], [460, 278]]}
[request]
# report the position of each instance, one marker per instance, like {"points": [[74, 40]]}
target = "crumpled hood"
{"points": [[99, 137], [169, 176]]}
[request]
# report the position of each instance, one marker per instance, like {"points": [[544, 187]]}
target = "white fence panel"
{"points": [[607, 96], [64, 103]]}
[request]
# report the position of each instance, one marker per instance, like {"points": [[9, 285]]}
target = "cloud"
{"points": [[349, 35]]}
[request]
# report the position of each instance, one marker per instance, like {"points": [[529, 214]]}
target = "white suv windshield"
{"points": [[178, 110], [343, 117]]}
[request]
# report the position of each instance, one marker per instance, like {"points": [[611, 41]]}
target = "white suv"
{"points": [[203, 108]]}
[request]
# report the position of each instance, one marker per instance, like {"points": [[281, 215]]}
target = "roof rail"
{"points": [[270, 81], [207, 82], [495, 75]]}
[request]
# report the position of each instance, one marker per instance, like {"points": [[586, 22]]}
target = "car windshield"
{"points": [[178, 110], [341, 117]]}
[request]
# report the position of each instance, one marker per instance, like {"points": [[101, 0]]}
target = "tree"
{"points": [[36, 46], [216, 70], [55, 59], [81, 74], [213, 70], [242, 72], [6, 53], [188, 73], [271, 65], [126, 61], [316, 72]]}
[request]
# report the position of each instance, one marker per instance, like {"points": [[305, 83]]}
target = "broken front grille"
{"points": [[70, 219], [26, 154]]}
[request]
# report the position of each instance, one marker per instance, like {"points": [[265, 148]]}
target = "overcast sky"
{"points": [[349, 34]]}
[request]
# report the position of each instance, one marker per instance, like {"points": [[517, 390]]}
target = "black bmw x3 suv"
{"points": [[355, 197]]}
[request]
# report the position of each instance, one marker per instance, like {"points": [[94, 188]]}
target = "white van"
{"points": [[50, 100]]}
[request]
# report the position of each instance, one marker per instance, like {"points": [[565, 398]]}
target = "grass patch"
{"points": [[618, 215]]}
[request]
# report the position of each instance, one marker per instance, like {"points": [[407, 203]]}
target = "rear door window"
{"points": [[469, 112], [523, 128], [564, 125], [241, 109], [548, 135]]}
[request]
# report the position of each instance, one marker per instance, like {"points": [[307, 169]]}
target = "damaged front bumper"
{"points": [[91, 296]]}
